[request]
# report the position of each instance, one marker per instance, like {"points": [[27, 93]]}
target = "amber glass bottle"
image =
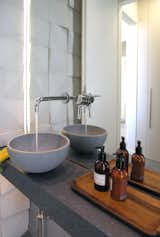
{"points": [[101, 172], [119, 177], [138, 164], [122, 149]]}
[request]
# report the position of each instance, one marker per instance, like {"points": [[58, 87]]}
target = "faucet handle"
{"points": [[37, 102], [79, 100], [85, 100]]}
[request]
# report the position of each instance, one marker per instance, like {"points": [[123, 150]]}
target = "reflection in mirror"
{"points": [[129, 63], [124, 70], [140, 87], [55, 61]]}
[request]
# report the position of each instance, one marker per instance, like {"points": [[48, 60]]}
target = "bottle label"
{"points": [[100, 179]]}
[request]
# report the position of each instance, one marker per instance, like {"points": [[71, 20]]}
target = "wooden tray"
{"points": [[151, 179], [139, 210]]}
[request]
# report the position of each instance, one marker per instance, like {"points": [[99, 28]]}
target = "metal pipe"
{"points": [[66, 98], [81, 100]]}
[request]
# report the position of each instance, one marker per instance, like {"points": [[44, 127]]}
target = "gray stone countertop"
{"points": [[52, 193]]}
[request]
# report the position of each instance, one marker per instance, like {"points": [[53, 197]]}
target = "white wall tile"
{"points": [[5, 186], [11, 54], [14, 226], [61, 112], [65, 2], [12, 111], [59, 37], [40, 31], [58, 61], [39, 84], [59, 84], [11, 23], [12, 82], [39, 59], [58, 12], [51, 7], [40, 9], [15, 202], [16, 4]]}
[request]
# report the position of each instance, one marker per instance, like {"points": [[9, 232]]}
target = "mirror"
{"points": [[108, 50], [56, 65]]}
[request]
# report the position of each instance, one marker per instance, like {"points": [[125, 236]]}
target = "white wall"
{"points": [[101, 66], [11, 66], [13, 204]]}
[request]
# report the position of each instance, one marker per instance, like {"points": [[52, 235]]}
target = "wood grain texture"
{"points": [[151, 179], [140, 210]]}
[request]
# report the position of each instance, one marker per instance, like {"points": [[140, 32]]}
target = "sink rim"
{"points": [[39, 152], [84, 135]]}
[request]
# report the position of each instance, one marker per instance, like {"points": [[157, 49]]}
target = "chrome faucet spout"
{"points": [[37, 102], [66, 98], [82, 101]]}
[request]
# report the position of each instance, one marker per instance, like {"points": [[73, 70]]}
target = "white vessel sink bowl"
{"points": [[85, 142], [52, 150]]}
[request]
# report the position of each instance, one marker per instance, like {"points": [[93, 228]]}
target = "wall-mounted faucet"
{"points": [[66, 98], [82, 101]]}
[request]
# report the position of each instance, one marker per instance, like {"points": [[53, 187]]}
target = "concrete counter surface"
{"points": [[52, 193]]}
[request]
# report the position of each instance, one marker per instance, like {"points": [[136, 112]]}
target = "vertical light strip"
{"points": [[26, 72], [28, 64], [83, 48], [83, 56], [24, 64]]}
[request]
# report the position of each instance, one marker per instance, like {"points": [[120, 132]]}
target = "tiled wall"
{"points": [[13, 210], [13, 204], [11, 64], [55, 58]]}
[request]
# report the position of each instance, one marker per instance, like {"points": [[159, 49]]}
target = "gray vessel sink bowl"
{"points": [[52, 150], [85, 142]]}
